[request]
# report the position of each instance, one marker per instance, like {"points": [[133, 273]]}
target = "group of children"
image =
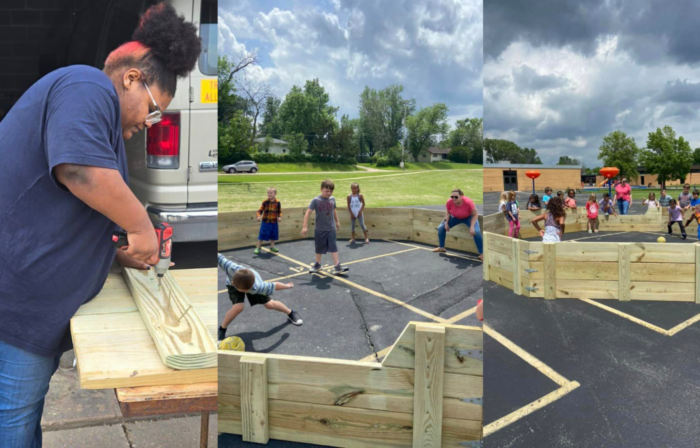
{"points": [[556, 206], [245, 283]]}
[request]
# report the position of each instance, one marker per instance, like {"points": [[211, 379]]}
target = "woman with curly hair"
{"points": [[64, 192], [554, 219]]}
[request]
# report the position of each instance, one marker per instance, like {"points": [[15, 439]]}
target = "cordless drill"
{"points": [[164, 232]]}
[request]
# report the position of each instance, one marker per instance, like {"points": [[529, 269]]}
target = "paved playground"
{"points": [[357, 316]]}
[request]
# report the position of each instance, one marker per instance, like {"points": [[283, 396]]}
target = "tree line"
{"points": [[306, 119]]}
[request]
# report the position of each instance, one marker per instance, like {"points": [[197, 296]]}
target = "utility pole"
{"points": [[405, 136]]}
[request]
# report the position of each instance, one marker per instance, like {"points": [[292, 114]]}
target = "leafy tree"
{"points": [[425, 128], [668, 157], [381, 117], [459, 154], [566, 160], [696, 156], [296, 143], [234, 136], [469, 133], [505, 150], [271, 124], [620, 151], [266, 144], [229, 100]]}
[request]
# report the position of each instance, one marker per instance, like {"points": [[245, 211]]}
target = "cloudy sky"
{"points": [[559, 75], [433, 47]]}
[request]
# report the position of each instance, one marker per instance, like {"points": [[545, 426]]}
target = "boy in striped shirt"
{"points": [[242, 283]]}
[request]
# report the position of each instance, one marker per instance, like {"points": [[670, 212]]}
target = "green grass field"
{"points": [[240, 193], [301, 167], [428, 166]]}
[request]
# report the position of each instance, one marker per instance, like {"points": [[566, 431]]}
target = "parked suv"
{"points": [[247, 166], [173, 165]]}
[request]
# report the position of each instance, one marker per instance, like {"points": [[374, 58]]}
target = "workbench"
{"points": [[113, 349]]}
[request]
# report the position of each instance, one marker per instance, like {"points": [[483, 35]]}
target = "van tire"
{"points": [[253, 170]]}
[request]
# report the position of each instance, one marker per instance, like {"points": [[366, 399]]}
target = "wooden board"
{"points": [[427, 396], [181, 338], [113, 347]]}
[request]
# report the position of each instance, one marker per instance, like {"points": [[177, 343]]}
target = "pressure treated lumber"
{"points": [[255, 417], [114, 349], [365, 404], [624, 272], [427, 398], [181, 338]]}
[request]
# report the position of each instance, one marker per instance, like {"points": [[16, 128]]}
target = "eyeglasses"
{"points": [[155, 116], [454, 197]]}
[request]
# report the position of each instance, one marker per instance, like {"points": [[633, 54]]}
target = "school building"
{"points": [[505, 176]]}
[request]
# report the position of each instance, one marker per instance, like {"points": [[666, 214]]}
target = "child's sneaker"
{"points": [[294, 318], [339, 269], [684, 235], [590, 231], [595, 231], [315, 268], [274, 250], [222, 334], [257, 251]]}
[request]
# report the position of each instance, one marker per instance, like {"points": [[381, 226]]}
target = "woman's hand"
{"points": [[447, 227], [472, 231], [542, 233]]}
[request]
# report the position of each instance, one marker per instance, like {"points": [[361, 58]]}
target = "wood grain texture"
{"points": [[254, 414], [624, 272], [427, 393], [486, 265], [550, 270], [517, 269], [113, 347], [178, 332]]}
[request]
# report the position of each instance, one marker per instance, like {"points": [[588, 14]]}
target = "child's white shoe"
{"points": [[596, 230], [590, 231]]}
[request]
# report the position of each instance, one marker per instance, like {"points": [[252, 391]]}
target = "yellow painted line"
{"points": [[530, 408], [380, 354], [527, 357], [451, 254], [593, 236], [691, 237], [367, 290], [684, 325], [462, 316], [628, 317]]}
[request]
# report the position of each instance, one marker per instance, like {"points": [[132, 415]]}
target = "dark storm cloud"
{"points": [[652, 31], [526, 79], [680, 92]]}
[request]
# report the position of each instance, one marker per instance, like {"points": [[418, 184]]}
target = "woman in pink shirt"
{"points": [[460, 210], [623, 196]]}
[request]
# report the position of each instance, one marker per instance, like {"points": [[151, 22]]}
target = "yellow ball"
{"points": [[661, 240], [233, 343]]}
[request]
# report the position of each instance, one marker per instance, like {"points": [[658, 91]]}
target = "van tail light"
{"points": [[163, 143]]}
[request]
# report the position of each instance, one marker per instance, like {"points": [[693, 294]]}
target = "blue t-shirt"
{"points": [[546, 198], [694, 202], [55, 250], [512, 207]]}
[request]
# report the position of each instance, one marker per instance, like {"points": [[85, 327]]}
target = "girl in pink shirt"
{"points": [[592, 213]]}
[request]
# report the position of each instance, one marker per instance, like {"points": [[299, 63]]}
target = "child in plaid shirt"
{"points": [[270, 213]]}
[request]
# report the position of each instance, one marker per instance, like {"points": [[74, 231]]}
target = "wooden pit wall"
{"points": [[240, 229], [361, 404], [581, 270]]}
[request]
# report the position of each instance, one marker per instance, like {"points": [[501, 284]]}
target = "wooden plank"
{"points": [[663, 272], [624, 272], [657, 291], [167, 400], [501, 277], [517, 287], [587, 289], [427, 393], [570, 270], [113, 347], [697, 273], [254, 411], [500, 243], [535, 251], [463, 348], [181, 338], [487, 248], [550, 269], [661, 253], [342, 426], [501, 261], [587, 252]]}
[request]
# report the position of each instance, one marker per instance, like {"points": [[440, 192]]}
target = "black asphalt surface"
{"points": [[628, 237], [342, 321], [638, 388]]}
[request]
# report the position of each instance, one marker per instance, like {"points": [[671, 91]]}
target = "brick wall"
{"points": [[34, 36], [558, 179]]}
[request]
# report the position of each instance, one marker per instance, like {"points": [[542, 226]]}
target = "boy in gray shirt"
{"points": [[327, 225]]}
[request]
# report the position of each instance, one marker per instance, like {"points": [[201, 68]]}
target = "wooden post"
{"points": [[428, 386], [254, 415], [486, 257], [517, 286], [624, 251], [550, 270], [697, 273]]}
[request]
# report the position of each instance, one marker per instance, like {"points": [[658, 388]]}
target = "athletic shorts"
{"points": [[269, 231], [239, 297], [325, 241]]}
